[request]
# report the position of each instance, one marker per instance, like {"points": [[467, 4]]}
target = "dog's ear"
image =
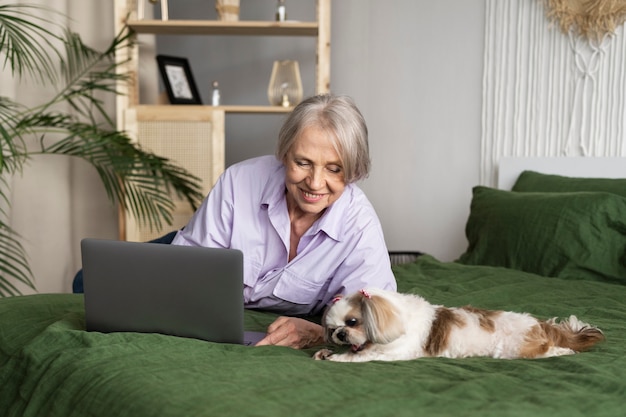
{"points": [[327, 333], [381, 319]]}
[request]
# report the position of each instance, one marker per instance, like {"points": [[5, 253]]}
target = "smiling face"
{"points": [[314, 173]]}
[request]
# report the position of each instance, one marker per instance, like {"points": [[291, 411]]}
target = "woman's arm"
{"points": [[293, 332]]}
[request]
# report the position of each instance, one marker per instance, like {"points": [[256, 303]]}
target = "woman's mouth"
{"points": [[310, 197]]}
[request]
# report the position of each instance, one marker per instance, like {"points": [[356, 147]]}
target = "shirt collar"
{"points": [[332, 221]]}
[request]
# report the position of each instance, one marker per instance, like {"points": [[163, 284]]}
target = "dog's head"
{"points": [[363, 318]]}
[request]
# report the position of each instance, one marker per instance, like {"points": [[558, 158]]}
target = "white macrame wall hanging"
{"points": [[554, 81]]}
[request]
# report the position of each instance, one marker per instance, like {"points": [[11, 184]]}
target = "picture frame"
{"points": [[178, 79]]}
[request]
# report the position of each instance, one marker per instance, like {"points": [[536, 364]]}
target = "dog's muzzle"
{"points": [[342, 335], [339, 335]]}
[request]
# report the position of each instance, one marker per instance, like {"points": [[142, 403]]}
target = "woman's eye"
{"points": [[351, 322], [334, 169], [302, 163]]}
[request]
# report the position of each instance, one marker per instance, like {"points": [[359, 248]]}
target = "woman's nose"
{"points": [[316, 179]]}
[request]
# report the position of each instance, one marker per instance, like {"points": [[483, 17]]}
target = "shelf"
{"points": [[218, 27], [228, 109], [255, 109]]}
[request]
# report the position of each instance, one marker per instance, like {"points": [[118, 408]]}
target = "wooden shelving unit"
{"points": [[320, 29], [129, 107]]}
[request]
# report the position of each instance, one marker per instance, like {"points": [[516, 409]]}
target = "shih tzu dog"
{"points": [[388, 326]]}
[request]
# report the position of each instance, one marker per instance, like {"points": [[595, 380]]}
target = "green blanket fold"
{"points": [[49, 366]]}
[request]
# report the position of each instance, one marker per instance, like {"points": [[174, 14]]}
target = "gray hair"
{"points": [[340, 117]]}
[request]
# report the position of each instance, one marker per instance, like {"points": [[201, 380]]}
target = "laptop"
{"points": [[185, 291]]}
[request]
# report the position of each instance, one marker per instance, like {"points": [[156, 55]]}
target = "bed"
{"points": [[554, 246]]}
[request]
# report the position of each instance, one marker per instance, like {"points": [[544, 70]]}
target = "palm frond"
{"points": [[28, 47], [12, 145], [140, 180], [13, 262], [13, 258], [88, 72]]}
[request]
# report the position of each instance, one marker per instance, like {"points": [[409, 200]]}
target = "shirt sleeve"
{"points": [[211, 224]]}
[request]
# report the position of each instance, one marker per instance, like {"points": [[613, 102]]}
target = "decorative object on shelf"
{"points": [[285, 88], [215, 94], [227, 10], [178, 79], [591, 19], [141, 14], [281, 11]]}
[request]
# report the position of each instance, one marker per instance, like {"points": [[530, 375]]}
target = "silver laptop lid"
{"points": [[158, 288]]}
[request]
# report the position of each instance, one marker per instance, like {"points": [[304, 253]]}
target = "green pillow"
{"points": [[576, 235], [538, 182]]}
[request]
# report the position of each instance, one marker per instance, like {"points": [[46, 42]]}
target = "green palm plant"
{"points": [[74, 123]]}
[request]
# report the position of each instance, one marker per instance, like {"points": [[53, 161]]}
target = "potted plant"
{"points": [[138, 180]]}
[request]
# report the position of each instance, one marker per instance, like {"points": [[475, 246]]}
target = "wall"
{"points": [[415, 69]]}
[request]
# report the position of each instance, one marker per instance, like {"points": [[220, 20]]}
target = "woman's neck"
{"points": [[300, 222]]}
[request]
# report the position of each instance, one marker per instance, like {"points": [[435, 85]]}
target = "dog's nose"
{"points": [[341, 335]]}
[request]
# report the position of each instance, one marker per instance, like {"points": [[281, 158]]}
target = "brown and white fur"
{"points": [[388, 326]]}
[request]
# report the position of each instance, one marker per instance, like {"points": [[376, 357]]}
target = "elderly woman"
{"points": [[306, 230]]}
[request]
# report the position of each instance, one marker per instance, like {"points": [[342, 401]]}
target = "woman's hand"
{"points": [[293, 332]]}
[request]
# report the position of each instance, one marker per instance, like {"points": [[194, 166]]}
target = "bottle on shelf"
{"points": [[215, 94], [281, 11]]}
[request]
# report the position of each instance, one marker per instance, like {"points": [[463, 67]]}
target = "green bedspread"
{"points": [[49, 366]]}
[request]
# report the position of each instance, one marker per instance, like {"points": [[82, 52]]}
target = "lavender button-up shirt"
{"points": [[342, 252]]}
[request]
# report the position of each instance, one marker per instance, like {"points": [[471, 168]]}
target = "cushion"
{"points": [[535, 181], [574, 235]]}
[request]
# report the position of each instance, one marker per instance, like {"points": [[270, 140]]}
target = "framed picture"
{"points": [[178, 79]]}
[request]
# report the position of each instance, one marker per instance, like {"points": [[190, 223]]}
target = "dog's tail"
{"points": [[552, 338], [572, 334]]}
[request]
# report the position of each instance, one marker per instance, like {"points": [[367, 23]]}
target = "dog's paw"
{"points": [[322, 354]]}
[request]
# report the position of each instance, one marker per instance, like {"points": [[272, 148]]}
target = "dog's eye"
{"points": [[351, 322]]}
